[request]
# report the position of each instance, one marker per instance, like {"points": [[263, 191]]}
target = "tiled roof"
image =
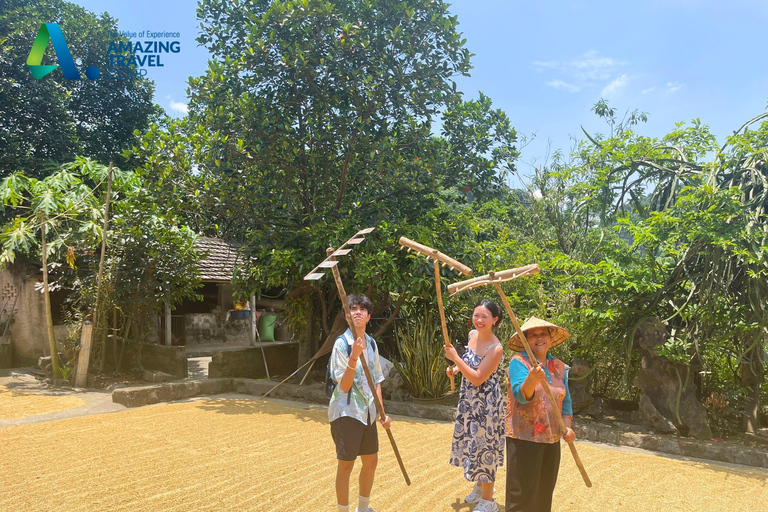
{"points": [[217, 259]]}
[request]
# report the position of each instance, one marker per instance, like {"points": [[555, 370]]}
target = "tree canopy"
{"points": [[46, 122]]}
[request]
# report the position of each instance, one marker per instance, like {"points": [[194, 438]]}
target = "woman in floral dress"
{"points": [[478, 436]]}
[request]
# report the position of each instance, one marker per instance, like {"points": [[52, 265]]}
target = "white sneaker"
{"points": [[369, 509], [476, 494], [486, 506]]}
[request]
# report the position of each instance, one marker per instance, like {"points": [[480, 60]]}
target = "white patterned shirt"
{"points": [[361, 404]]}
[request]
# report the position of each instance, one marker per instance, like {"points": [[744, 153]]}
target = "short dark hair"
{"points": [[361, 301], [492, 307]]}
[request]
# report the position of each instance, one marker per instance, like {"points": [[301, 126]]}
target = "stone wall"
{"points": [[203, 328], [248, 363], [207, 328], [170, 360]]}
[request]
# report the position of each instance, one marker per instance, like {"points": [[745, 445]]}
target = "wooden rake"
{"points": [[317, 273], [496, 278], [446, 260]]}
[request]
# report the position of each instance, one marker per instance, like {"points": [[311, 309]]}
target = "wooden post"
{"points": [[544, 384], [168, 331], [81, 376], [366, 370]]}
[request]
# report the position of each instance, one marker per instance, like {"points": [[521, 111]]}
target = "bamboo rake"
{"points": [[438, 257]]}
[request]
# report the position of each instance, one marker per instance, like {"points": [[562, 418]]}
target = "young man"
{"points": [[352, 410]]}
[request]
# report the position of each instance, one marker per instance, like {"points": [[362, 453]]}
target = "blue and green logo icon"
{"points": [[51, 32]]}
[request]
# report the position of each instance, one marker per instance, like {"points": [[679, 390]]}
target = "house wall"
{"points": [[29, 336], [226, 301]]}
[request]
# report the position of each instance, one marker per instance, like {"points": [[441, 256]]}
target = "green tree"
{"points": [[313, 120], [696, 234], [49, 121], [59, 219], [60, 213]]}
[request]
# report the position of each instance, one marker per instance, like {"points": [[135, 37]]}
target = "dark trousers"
{"points": [[531, 475]]}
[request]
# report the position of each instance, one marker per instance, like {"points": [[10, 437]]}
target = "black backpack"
{"points": [[330, 384]]}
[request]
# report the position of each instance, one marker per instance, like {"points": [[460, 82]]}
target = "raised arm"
{"points": [[488, 365]]}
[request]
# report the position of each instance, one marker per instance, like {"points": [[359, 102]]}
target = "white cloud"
{"points": [[559, 84], [673, 86], [615, 85], [589, 66], [650, 89], [179, 107]]}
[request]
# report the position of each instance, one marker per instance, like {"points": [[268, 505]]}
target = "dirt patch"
{"points": [[262, 455]]}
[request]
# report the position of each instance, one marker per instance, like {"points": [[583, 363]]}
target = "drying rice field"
{"points": [[245, 454], [24, 404]]}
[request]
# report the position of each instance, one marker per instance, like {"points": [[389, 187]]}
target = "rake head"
{"points": [[330, 262], [493, 277], [434, 254]]}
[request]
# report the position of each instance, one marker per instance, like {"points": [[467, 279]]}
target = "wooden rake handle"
{"points": [[544, 384], [442, 312], [371, 384]]}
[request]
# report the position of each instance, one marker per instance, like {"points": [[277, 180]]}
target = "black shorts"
{"points": [[353, 438]]}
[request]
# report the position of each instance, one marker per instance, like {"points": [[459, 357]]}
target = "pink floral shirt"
{"points": [[535, 420]]}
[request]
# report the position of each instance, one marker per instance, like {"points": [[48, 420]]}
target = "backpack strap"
{"points": [[349, 352]]}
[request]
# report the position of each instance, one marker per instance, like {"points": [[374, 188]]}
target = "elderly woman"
{"points": [[531, 427]]}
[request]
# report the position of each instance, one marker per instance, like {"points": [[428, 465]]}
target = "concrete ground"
{"points": [[240, 453]]}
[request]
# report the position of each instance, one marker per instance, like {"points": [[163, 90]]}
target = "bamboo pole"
{"points": [[366, 370], [442, 313], [288, 377], [308, 370], [544, 384]]}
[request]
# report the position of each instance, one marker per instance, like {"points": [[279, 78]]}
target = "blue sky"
{"points": [[547, 63]]}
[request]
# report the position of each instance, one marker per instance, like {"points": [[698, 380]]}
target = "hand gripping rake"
{"points": [[497, 278], [331, 262], [446, 260]]}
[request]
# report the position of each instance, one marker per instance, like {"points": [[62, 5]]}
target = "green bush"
{"points": [[420, 342]]}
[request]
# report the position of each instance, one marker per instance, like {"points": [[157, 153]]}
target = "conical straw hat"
{"points": [[558, 334]]}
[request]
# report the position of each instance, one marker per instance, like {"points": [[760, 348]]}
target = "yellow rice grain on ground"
{"points": [[245, 454], [23, 404]]}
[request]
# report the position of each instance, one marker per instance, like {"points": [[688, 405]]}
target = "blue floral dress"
{"points": [[478, 437]]}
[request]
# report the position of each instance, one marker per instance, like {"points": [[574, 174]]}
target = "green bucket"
{"points": [[267, 327]]}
